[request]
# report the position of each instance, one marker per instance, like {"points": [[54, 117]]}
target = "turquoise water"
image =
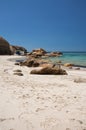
{"points": [[76, 58]]}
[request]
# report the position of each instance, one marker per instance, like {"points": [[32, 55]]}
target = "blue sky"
{"points": [[58, 25]]}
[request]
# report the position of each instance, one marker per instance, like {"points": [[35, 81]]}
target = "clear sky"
{"points": [[58, 25]]}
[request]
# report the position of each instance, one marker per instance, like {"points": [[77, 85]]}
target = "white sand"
{"points": [[41, 102]]}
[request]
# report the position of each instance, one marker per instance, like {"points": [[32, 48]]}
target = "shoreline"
{"points": [[41, 102], [77, 58], [23, 58]]}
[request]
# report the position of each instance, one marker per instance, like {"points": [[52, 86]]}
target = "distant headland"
{"points": [[7, 49]]}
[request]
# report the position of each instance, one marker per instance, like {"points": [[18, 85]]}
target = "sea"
{"points": [[76, 58]]}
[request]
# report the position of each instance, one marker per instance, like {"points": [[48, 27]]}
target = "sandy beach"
{"points": [[41, 102]]}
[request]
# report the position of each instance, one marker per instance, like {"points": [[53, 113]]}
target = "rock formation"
{"points": [[30, 63], [54, 54], [14, 49], [7, 49], [4, 47], [49, 71], [37, 53]]}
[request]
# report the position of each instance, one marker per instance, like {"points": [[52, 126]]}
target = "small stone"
{"points": [[80, 121], [77, 68], [17, 70], [19, 74], [16, 63], [75, 97]]}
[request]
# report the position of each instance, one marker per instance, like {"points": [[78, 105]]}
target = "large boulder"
{"points": [[37, 53], [49, 71], [4, 47]]}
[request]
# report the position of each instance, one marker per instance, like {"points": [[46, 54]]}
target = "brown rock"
{"points": [[35, 64], [30, 63], [14, 49], [50, 71], [19, 74], [4, 47], [37, 53], [17, 63], [77, 68], [54, 54], [17, 71], [68, 64]]}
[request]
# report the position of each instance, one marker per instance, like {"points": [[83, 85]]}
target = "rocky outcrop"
{"points": [[42, 53], [4, 47], [7, 49], [34, 62], [37, 53], [14, 49], [49, 71], [30, 63], [54, 54]]}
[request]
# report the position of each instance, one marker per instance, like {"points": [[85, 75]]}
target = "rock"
{"points": [[68, 64], [19, 74], [50, 71], [17, 71], [54, 54], [77, 68], [18, 49], [37, 53], [30, 63], [33, 55], [17, 63], [35, 64], [4, 47], [7, 49]]}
